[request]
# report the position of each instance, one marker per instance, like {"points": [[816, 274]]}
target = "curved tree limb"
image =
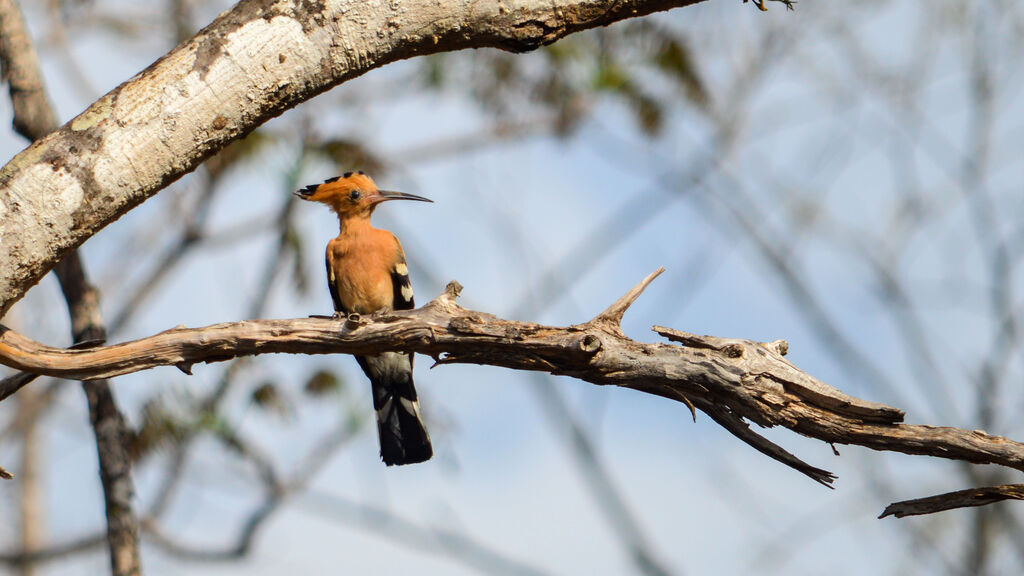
{"points": [[252, 63], [734, 381]]}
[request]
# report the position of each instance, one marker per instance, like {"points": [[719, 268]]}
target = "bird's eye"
{"points": [[355, 195]]}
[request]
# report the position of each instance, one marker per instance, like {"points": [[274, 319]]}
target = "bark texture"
{"points": [[734, 381], [251, 64]]}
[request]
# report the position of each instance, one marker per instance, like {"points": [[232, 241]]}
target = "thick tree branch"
{"points": [[253, 62], [734, 381]]}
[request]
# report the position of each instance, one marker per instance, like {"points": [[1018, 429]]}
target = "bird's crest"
{"points": [[338, 185], [352, 194]]}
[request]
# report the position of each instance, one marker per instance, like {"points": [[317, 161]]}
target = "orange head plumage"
{"points": [[353, 195]]}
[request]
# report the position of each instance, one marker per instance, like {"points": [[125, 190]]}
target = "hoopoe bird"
{"points": [[366, 273]]}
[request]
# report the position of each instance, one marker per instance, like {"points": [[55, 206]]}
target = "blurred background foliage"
{"points": [[846, 175]]}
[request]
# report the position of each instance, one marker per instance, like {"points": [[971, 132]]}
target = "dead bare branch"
{"points": [[733, 380], [953, 500]]}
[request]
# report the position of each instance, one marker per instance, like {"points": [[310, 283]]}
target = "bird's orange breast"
{"points": [[362, 265]]}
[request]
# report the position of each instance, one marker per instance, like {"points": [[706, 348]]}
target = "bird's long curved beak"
{"points": [[385, 195]]}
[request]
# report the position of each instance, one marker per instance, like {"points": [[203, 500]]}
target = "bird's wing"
{"points": [[402, 296], [402, 299], [332, 284]]}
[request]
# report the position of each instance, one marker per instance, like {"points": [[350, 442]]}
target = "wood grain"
{"points": [[736, 382]]}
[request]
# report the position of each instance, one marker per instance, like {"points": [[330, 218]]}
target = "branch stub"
{"points": [[352, 321]]}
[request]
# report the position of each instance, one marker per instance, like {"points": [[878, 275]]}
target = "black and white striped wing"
{"points": [[402, 299]]}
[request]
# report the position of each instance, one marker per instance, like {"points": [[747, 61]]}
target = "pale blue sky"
{"points": [[816, 125]]}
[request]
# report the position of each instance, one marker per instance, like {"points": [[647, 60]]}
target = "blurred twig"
{"points": [[277, 491], [190, 235], [30, 496], [54, 552], [211, 403], [607, 496], [33, 119], [436, 541]]}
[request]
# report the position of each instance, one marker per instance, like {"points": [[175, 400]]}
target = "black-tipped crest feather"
{"points": [[307, 191]]}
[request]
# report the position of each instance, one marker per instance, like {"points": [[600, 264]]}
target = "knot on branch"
{"points": [[590, 344], [352, 321]]}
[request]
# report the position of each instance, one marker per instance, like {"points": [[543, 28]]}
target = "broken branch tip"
{"points": [[453, 289], [613, 314]]}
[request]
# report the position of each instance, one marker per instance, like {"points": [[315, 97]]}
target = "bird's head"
{"points": [[352, 195]]}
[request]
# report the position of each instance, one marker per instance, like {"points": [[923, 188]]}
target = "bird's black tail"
{"points": [[403, 436]]}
